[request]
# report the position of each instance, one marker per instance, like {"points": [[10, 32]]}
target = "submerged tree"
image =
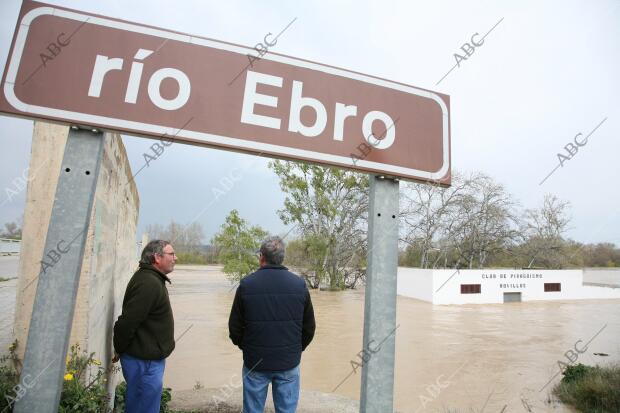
{"points": [[544, 229], [486, 222], [237, 243], [426, 211], [461, 225], [329, 208]]}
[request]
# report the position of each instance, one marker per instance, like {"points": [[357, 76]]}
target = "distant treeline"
{"points": [[475, 223], [571, 255], [11, 231], [568, 254]]}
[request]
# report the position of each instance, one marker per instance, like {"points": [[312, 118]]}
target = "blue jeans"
{"points": [[144, 383], [284, 389]]}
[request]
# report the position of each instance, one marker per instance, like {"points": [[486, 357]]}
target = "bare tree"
{"points": [[12, 231], [550, 220], [425, 212], [544, 229], [466, 222], [186, 238], [155, 231], [485, 222], [193, 235]]}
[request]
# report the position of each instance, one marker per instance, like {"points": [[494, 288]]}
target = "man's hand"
{"points": [[116, 357]]}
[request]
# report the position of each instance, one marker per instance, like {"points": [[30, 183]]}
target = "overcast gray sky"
{"points": [[548, 71]]}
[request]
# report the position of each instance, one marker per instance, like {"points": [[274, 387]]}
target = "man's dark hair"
{"points": [[272, 249], [154, 247]]}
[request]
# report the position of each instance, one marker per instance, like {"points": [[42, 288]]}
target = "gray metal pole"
{"points": [[377, 390], [50, 326]]}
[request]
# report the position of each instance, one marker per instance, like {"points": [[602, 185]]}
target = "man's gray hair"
{"points": [[154, 247], [272, 249]]}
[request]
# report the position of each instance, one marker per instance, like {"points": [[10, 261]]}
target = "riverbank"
{"points": [[225, 401]]}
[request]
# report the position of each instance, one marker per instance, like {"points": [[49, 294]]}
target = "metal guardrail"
{"points": [[10, 246]]}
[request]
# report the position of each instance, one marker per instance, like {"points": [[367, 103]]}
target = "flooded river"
{"points": [[470, 358]]}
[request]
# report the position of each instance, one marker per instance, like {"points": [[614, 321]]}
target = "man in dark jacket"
{"points": [[144, 332], [272, 322]]}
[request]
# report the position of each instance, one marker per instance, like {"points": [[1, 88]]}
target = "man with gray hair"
{"points": [[272, 322], [144, 332]]}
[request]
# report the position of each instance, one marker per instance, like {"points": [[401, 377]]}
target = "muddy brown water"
{"points": [[491, 358]]}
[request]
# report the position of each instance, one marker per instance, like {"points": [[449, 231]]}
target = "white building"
{"points": [[501, 285]]}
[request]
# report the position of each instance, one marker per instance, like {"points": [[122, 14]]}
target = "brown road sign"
{"points": [[81, 68]]}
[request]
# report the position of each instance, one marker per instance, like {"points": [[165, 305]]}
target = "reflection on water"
{"points": [[470, 357]]}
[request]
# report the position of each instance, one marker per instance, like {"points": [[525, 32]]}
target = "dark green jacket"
{"points": [[145, 328]]}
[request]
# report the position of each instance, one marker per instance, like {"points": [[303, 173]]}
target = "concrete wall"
{"points": [[602, 276], [109, 257], [9, 246], [494, 283], [415, 283], [444, 286]]}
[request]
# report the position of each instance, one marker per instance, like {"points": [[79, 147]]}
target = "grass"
{"points": [[590, 389], [2, 279]]}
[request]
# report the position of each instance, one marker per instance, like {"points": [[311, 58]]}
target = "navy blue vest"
{"points": [[273, 301]]}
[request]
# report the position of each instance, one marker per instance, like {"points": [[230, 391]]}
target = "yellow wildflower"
{"points": [[68, 377], [97, 362]]}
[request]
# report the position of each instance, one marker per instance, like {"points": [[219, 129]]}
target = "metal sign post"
{"points": [[50, 326], [377, 391]]}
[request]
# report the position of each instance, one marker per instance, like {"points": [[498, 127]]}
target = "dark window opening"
{"points": [[470, 288], [549, 287]]}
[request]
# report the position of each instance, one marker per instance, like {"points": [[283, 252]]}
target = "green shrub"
{"points": [[9, 377], [121, 390], [590, 389], [119, 397], [84, 385], [575, 373]]}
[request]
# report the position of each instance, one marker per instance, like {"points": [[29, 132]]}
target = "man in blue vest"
{"points": [[272, 322]]}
